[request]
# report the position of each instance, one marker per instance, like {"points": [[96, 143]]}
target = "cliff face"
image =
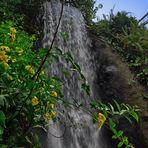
{"points": [[117, 82]]}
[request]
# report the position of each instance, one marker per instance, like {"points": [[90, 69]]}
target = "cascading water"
{"points": [[79, 44]]}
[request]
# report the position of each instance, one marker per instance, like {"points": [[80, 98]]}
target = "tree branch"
{"points": [[50, 48]]}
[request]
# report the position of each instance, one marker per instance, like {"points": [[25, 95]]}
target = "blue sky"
{"points": [[137, 7]]}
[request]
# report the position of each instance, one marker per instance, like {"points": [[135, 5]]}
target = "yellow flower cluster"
{"points": [[53, 114], [5, 48], [101, 119], [34, 101], [13, 33], [12, 30], [30, 69], [53, 93], [3, 57], [49, 116]]}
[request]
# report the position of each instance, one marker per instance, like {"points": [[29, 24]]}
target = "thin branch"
{"points": [[50, 48]]}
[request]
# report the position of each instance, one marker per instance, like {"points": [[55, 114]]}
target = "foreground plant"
{"points": [[110, 116], [24, 103]]}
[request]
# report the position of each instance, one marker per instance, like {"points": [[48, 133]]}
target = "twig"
{"points": [[50, 48]]}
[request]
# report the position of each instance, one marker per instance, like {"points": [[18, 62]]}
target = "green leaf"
{"points": [[82, 76], [3, 146], [77, 66], [117, 105], [93, 104], [69, 56], [28, 140], [2, 98], [145, 96], [111, 107], [114, 137], [1, 130], [125, 140], [130, 121], [120, 144], [59, 51], [86, 88], [135, 115], [120, 133], [111, 123], [2, 118]]}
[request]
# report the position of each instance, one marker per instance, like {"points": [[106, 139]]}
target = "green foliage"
{"points": [[113, 25], [113, 113], [129, 39], [2, 124], [25, 103], [26, 11], [87, 8]]}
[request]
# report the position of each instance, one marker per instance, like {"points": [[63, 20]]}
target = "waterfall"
{"points": [[87, 135]]}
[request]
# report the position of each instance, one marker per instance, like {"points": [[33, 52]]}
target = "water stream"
{"points": [[79, 44]]}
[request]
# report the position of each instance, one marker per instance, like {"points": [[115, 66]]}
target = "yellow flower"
{"points": [[101, 119], [5, 48], [13, 37], [19, 50], [3, 57], [42, 72], [50, 106], [53, 93], [12, 30], [34, 101], [14, 60], [30, 69], [53, 114], [47, 116]]}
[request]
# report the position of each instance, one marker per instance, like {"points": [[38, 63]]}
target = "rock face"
{"points": [[117, 82]]}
